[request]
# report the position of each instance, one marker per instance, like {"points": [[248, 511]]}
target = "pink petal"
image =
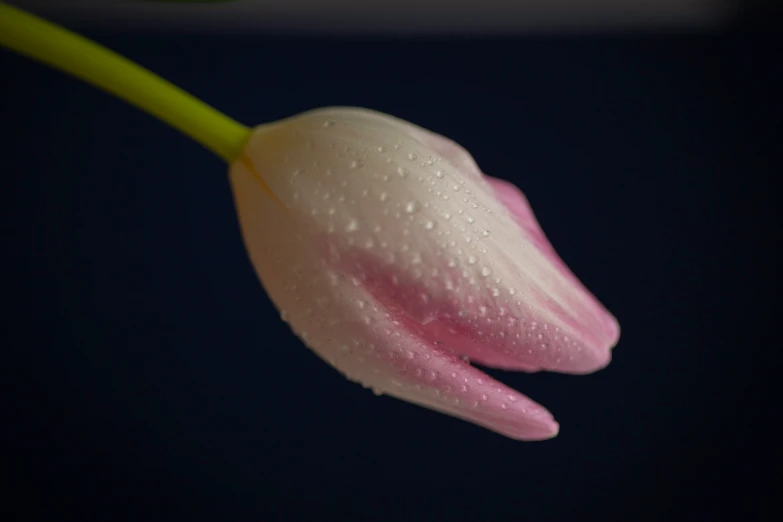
{"points": [[414, 369], [602, 325], [587, 316]]}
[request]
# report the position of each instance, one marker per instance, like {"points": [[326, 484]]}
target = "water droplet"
{"points": [[329, 123], [486, 271], [470, 219], [357, 164], [411, 207], [456, 188], [440, 174], [472, 260], [381, 149], [412, 156], [352, 226], [429, 225], [384, 196]]}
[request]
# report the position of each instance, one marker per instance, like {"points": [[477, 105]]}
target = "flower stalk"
{"points": [[62, 49]]}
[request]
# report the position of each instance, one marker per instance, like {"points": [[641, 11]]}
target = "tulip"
{"points": [[390, 254], [397, 261]]}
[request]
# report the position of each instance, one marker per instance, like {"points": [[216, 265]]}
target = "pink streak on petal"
{"points": [[510, 344]]}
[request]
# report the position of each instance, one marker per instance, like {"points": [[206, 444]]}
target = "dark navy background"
{"points": [[149, 377]]}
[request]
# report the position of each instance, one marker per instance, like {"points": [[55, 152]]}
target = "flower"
{"points": [[398, 262]]}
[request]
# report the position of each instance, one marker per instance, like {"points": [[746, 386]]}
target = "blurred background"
{"points": [[149, 377], [399, 17]]}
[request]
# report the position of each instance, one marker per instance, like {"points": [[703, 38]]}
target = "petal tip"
{"points": [[546, 430], [613, 327]]}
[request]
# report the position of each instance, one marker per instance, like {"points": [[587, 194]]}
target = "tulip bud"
{"points": [[398, 262]]}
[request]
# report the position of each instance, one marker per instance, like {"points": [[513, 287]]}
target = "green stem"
{"points": [[46, 42]]}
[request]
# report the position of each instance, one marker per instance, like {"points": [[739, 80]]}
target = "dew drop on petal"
{"points": [[352, 226]]}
